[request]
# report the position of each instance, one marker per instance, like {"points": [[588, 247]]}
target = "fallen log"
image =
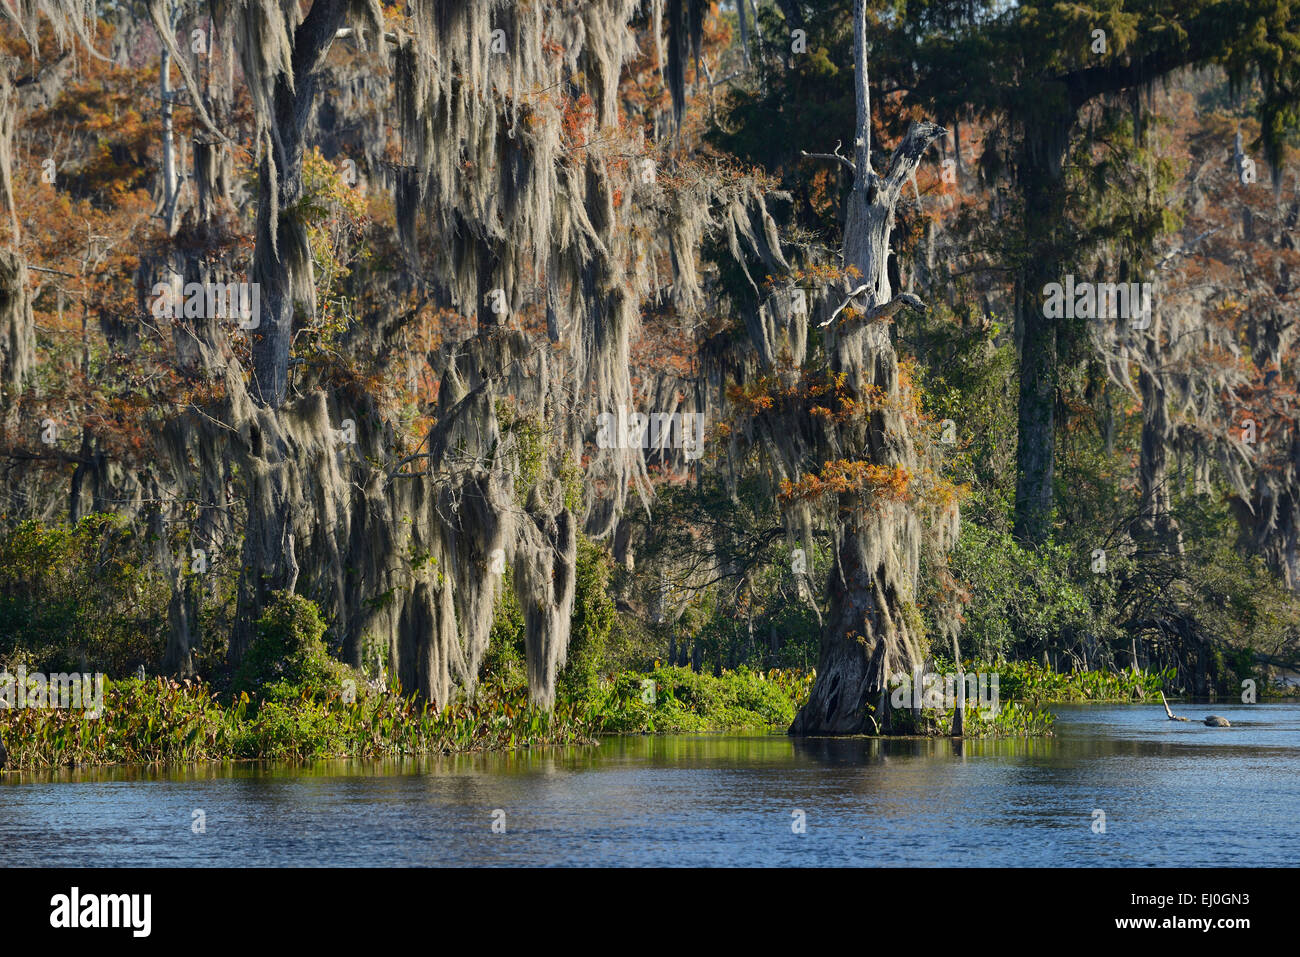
{"points": [[1211, 721]]}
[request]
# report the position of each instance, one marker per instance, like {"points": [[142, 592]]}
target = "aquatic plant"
{"points": [[675, 700], [1031, 682], [162, 721]]}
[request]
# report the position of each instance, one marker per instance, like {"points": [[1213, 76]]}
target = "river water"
{"points": [[1172, 794]]}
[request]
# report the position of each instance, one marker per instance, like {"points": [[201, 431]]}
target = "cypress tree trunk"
{"points": [[282, 256], [867, 636], [1036, 417], [1041, 176]]}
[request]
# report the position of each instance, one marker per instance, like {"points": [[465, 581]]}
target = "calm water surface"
{"points": [[1173, 794]]}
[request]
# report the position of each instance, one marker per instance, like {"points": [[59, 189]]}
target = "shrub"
{"points": [[1022, 600], [290, 649], [80, 596]]}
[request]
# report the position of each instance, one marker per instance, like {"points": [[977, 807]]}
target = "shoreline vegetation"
{"points": [[163, 721], [292, 699]]}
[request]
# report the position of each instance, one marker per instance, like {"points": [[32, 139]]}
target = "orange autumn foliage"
{"points": [[842, 477]]}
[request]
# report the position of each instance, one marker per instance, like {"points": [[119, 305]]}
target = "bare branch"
{"points": [[837, 156], [842, 306], [908, 155], [878, 314]]}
